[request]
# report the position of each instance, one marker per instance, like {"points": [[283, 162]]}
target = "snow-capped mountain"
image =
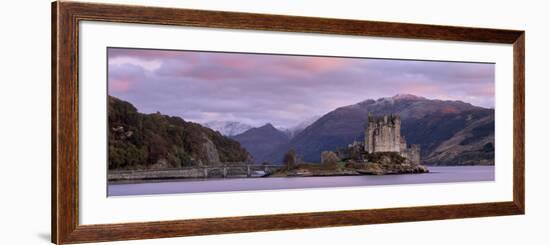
{"points": [[296, 129], [228, 128], [449, 132]]}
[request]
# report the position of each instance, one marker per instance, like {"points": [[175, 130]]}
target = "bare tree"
{"points": [[329, 158], [290, 159]]}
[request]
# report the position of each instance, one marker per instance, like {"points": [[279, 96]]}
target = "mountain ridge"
{"points": [[426, 122], [261, 141], [228, 128]]}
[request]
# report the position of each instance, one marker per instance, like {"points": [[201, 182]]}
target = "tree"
{"points": [[329, 158], [290, 159]]}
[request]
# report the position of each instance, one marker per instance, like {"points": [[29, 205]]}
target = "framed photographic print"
{"points": [[176, 122]]}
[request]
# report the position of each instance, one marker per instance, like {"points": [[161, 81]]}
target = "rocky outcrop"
{"points": [[383, 163], [211, 153], [384, 169], [380, 163]]}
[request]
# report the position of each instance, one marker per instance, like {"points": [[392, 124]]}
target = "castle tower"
{"points": [[383, 134]]}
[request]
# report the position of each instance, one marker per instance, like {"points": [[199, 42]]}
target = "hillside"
{"points": [[474, 145], [296, 129], [142, 141], [436, 125], [262, 141]]}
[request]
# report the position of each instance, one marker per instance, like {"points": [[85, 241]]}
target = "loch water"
{"points": [[436, 175]]}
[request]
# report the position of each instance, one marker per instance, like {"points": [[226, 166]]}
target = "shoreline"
{"points": [[145, 181], [175, 175]]}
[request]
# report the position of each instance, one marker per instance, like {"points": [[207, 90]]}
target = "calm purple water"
{"points": [[436, 175]]}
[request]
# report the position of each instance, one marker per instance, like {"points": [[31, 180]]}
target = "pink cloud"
{"points": [[210, 75], [198, 85], [476, 71], [119, 85], [124, 77], [485, 90], [320, 64], [301, 67], [313, 64], [217, 66], [414, 87], [239, 62]]}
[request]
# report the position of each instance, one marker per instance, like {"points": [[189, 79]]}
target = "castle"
{"points": [[383, 134]]}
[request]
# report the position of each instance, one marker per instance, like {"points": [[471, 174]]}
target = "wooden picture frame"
{"points": [[65, 121]]}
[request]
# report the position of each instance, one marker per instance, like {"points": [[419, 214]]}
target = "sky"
{"points": [[281, 89]]}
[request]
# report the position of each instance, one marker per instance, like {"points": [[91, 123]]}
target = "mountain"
{"points": [[144, 141], [262, 141], [296, 129], [466, 131], [473, 145], [228, 128]]}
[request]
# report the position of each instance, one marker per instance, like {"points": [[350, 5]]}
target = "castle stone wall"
{"points": [[383, 134], [412, 153]]}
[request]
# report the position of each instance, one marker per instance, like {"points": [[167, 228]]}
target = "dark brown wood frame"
{"points": [[65, 137]]}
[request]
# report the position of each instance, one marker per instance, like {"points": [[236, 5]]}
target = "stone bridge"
{"points": [[224, 170], [233, 170]]}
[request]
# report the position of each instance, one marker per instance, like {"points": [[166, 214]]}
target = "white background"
{"points": [[95, 208], [25, 129]]}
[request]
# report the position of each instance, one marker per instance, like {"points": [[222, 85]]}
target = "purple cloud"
{"points": [[283, 90]]}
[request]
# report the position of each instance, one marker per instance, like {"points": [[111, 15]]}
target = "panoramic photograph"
{"points": [[182, 121]]}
